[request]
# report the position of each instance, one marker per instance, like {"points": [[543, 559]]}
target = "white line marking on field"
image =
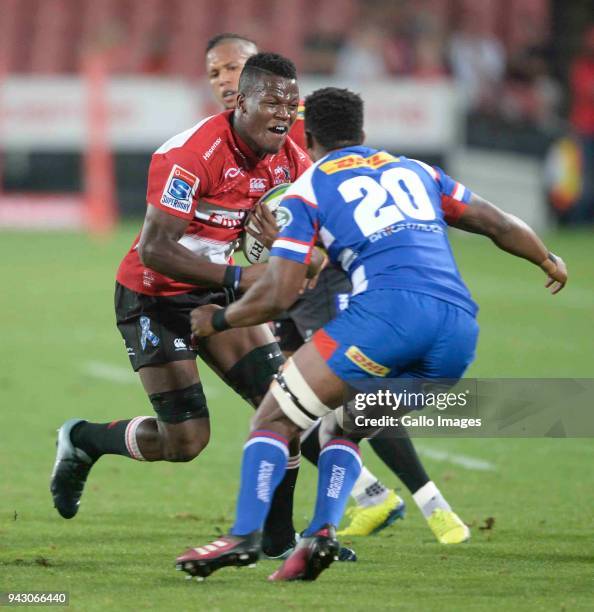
{"points": [[125, 376], [112, 373], [470, 463]]}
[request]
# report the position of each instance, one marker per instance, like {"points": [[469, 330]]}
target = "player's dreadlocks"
{"points": [[270, 63], [224, 37], [334, 117]]}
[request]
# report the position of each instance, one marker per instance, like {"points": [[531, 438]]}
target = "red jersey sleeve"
{"points": [[298, 159], [297, 131], [175, 181]]}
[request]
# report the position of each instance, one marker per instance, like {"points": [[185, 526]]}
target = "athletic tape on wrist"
{"points": [[549, 264], [218, 321], [232, 277]]}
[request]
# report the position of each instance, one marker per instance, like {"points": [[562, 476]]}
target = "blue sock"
{"points": [[339, 467], [262, 468]]}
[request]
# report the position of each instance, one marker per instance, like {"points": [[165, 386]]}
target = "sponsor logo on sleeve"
{"points": [[180, 189], [359, 358], [211, 149], [284, 217]]}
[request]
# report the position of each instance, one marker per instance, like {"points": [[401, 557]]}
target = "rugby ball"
{"points": [[253, 249]]}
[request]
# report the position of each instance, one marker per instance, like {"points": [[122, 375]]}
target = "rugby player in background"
{"points": [[202, 185], [410, 314], [376, 506]]}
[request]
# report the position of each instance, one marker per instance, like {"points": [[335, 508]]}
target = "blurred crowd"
{"points": [[500, 52], [412, 39], [526, 80]]}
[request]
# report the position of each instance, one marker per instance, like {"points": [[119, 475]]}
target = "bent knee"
{"points": [[185, 450]]}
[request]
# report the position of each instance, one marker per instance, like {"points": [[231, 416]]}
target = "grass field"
{"points": [[62, 356]]}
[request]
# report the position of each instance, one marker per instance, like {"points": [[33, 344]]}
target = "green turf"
{"points": [[58, 336]]}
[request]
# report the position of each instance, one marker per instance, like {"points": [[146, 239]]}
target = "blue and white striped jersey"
{"points": [[383, 219]]}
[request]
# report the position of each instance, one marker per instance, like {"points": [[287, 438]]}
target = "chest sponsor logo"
{"points": [[359, 358], [211, 149], [180, 189], [258, 185], [212, 215]]}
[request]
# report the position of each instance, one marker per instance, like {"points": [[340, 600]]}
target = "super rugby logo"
{"points": [[180, 189]]}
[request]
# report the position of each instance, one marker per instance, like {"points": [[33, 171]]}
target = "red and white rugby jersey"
{"points": [[210, 177], [297, 131]]}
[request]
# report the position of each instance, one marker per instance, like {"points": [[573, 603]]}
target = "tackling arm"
{"points": [[514, 236], [160, 250], [273, 293]]}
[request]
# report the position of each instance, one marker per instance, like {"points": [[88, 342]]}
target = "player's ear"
{"points": [[363, 136], [309, 143], [240, 102]]}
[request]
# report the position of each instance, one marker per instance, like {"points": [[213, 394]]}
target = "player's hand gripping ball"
{"points": [[267, 219]]}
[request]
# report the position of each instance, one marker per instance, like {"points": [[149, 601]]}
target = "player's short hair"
{"points": [[265, 63], [224, 37], [334, 117]]}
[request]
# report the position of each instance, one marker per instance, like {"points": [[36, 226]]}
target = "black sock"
{"points": [[310, 447], [400, 456], [98, 439], [278, 528]]}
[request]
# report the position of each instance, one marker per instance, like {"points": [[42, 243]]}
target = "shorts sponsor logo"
{"points": [[258, 185], [180, 189], [180, 344], [211, 149], [146, 335], [359, 358], [336, 481], [284, 217]]}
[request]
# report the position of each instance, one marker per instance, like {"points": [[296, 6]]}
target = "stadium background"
{"points": [[88, 88]]}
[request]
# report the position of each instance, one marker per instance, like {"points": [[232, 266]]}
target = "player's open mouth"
{"points": [[229, 95], [279, 130]]}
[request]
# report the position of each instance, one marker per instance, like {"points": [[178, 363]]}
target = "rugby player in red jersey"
{"points": [[376, 506], [202, 184]]}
